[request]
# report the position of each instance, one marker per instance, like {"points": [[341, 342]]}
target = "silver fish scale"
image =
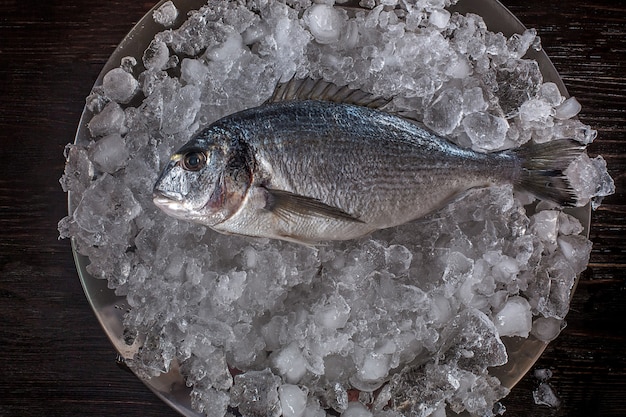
{"points": [[373, 165]]}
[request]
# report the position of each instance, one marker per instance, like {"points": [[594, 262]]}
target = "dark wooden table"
{"points": [[54, 358]]}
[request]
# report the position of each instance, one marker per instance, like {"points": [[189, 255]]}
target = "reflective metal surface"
{"points": [[110, 308]]}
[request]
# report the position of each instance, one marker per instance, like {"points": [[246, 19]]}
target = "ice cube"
{"points": [[119, 85], [228, 50], [471, 341], [486, 131], [109, 153], [211, 366], [515, 318], [218, 333], [542, 374], [505, 268], [211, 402], [518, 81], [337, 397], [334, 313], [440, 412], [518, 44], [573, 129], [128, 63], [350, 36], [255, 33], [568, 109], [545, 226], [569, 225], [250, 346], [106, 211], [255, 393], [561, 278], [292, 400], [459, 68], [181, 109], [544, 395], [286, 43], [374, 367], [96, 101], [275, 332], [166, 14], [535, 110], [421, 391], [439, 18], [289, 363], [356, 409], [441, 310], [157, 56], [458, 269], [109, 121], [550, 93], [590, 179], [313, 409], [193, 71], [576, 250], [445, 112], [230, 287], [78, 173], [325, 23], [474, 100], [472, 393]]}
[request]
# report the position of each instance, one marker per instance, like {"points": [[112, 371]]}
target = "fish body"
{"points": [[314, 170]]}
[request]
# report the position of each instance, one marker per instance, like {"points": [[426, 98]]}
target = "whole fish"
{"points": [[319, 162]]}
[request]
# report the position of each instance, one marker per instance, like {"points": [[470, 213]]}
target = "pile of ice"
{"points": [[405, 322]]}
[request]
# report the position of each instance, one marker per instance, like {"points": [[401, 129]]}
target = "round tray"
{"points": [[109, 308]]}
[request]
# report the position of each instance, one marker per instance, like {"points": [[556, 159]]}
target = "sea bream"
{"points": [[319, 162]]}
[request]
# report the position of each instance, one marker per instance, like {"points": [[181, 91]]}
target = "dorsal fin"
{"points": [[309, 89]]}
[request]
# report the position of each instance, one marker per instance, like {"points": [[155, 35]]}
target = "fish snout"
{"points": [[166, 195], [169, 202]]}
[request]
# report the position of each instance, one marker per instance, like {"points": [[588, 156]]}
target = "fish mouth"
{"points": [[169, 203], [165, 195], [175, 207]]}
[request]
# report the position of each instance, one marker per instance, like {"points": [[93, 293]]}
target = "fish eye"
{"points": [[194, 160]]}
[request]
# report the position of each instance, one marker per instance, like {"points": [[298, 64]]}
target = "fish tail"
{"points": [[542, 170]]}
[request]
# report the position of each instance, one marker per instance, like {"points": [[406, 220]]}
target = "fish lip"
{"points": [[168, 203], [160, 200], [174, 207], [165, 196]]}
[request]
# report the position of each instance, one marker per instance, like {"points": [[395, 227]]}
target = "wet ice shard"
{"points": [[119, 85], [255, 394], [166, 14]]}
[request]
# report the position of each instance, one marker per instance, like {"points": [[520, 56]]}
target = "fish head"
{"points": [[201, 184]]}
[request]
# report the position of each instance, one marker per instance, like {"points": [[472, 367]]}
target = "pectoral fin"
{"points": [[287, 205]]}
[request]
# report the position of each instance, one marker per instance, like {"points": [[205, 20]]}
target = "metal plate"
{"points": [[109, 308]]}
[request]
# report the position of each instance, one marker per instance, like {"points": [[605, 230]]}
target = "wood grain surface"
{"points": [[55, 360]]}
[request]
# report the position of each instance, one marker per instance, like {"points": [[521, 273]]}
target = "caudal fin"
{"points": [[543, 166]]}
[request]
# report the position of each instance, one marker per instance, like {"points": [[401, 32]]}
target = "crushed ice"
{"points": [[166, 14], [544, 394], [408, 319]]}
